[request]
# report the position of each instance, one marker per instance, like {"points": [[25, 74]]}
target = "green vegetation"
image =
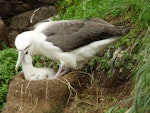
{"points": [[79, 9], [141, 103], [135, 47], [131, 13], [8, 59], [115, 110]]}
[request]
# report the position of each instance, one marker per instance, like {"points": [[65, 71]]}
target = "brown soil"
{"points": [[101, 94], [43, 96], [73, 93]]}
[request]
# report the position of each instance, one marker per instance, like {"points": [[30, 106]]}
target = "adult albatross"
{"points": [[69, 41]]}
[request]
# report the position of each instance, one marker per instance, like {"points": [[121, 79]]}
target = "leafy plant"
{"points": [[8, 59], [91, 8]]}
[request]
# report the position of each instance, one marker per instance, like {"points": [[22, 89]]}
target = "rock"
{"points": [[49, 1], [43, 96], [11, 37], [9, 8], [22, 7], [29, 18], [14, 7], [5, 9], [42, 1], [19, 15], [2, 32], [2, 26]]}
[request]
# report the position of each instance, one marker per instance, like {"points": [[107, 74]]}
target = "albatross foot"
{"points": [[61, 72]]}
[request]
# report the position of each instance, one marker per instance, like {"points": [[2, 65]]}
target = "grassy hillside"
{"points": [[131, 13], [135, 59], [135, 50]]}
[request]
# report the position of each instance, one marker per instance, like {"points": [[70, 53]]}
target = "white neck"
{"points": [[26, 70], [35, 47]]}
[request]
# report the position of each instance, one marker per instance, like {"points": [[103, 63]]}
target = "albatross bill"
{"points": [[69, 41]]}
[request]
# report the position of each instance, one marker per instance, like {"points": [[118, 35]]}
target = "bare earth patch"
{"points": [[73, 93], [100, 95], [43, 96]]}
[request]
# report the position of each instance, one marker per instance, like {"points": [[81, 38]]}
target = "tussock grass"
{"points": [[141, 98], [130, 12], [91, 8]]}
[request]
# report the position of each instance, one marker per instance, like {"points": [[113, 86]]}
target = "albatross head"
{"points": [[23, 42], [28, 43]]}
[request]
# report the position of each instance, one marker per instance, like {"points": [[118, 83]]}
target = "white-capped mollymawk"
{"points": [[69, 41]]}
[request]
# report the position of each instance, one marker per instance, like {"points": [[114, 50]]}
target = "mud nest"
{"points": [[43, 96]]}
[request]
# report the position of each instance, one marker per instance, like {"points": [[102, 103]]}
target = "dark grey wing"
{"points": [[69, 35], [60, 27], [99, 20]]}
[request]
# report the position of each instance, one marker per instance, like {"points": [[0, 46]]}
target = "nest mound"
{"points": [[42, 96]]}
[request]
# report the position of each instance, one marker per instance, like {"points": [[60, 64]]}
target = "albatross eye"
{"points": [[26, 49]]}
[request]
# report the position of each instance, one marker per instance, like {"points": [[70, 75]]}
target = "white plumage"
{"points": [[34, 73], [70, 41]]}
